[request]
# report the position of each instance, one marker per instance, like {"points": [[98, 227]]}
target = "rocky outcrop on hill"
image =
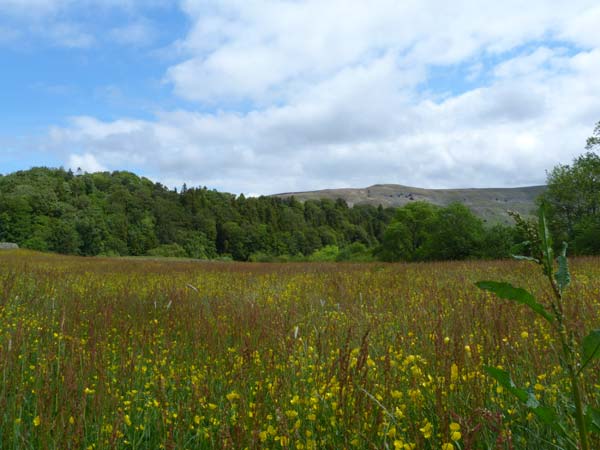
{"points": [[490, 204]]}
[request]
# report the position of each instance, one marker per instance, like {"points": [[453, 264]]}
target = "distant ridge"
{"points": [[490, 204]]}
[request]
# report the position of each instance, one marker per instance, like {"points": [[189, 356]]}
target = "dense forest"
{"points": [[120, 213]]}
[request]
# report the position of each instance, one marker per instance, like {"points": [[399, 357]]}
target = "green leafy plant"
{"points": [[574, 357]]}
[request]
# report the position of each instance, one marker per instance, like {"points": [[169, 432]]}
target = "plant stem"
{"points": [[569, 360], [579, 418], [576, 389], [566, 340]]}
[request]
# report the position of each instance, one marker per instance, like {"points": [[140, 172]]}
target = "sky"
{"points": [[264, 96]]}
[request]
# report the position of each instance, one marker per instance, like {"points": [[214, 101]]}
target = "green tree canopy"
{"points": [[457, 234], [594, 140], [573, 200], [410, 230], [421, 231], [120, 213]]}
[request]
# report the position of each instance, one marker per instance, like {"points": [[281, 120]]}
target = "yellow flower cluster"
{"points": [[106, 354]]}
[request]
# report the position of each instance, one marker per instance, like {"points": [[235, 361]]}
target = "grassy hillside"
{"points": [[489, 204]]}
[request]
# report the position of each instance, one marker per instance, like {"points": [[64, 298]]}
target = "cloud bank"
{"points": [[293, 95]]}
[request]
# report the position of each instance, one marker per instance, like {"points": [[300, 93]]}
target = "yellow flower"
{"points": [[453, 373], [127, 420], [291, 414], [71, 420], [447, 446], [37, 421], [455, 434], [232, 396], [524, 334], [426, 430]]}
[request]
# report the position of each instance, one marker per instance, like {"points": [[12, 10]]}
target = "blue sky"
{"points": [[46, 80], [268, 96]]}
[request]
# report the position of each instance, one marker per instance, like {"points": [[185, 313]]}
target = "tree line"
{"points": [[120, 213]]}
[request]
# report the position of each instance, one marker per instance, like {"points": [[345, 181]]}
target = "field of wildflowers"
{"points": [[142, 354]]}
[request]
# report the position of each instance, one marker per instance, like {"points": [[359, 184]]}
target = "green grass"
{"points": [[110, 353]]}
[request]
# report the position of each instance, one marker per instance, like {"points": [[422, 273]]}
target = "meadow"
{"points": [[146, 354]]}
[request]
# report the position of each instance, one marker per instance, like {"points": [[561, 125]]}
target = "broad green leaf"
{"points": [[503, 378], [591, 346], [546, 242], [592, 417], [545, 414], [509, 292], [562, 276]]}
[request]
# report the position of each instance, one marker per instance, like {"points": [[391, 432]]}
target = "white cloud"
{"points": [[311, 94], [258, 50], [551, 60], [86, 162], [582, 27]]}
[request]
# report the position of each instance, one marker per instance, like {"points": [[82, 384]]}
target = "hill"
{"points": [[490, 204]]}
